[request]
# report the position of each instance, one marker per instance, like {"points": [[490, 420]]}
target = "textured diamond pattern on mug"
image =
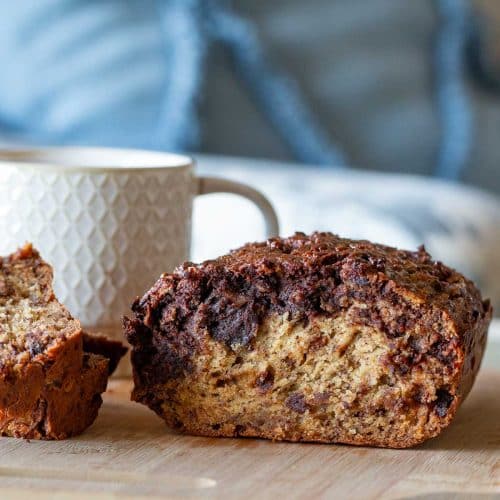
{"points": [[107, 236]]}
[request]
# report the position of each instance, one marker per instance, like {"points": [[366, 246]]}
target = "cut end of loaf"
{"points": [[310, 338], [51, 374], [326, 380]]}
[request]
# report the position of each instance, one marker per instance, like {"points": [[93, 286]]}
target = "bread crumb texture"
{"points": [[50, 388], [310, 338]]}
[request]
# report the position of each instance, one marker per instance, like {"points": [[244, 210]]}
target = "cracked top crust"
{"points": [[320, 273]]}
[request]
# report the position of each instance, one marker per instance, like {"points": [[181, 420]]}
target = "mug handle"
{"points": [[207, 185]]}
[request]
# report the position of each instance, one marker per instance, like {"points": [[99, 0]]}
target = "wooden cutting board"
{"points": [[129, 452]]}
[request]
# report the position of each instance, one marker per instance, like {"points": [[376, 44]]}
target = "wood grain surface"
{"points": [[129, 453]]}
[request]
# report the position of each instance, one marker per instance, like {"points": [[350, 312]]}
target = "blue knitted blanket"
{"points": [[130, 74]]}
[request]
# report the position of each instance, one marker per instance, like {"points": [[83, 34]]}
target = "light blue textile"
{"points": [[452, 98], [90, 72], [127, 74], [131, 73], [276, 92]]}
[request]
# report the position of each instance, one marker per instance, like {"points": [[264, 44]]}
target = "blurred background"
{"points": [[386, 85], [375, 119]]}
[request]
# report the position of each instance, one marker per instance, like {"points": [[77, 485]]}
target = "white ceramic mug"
{"points": [[109, 221]]}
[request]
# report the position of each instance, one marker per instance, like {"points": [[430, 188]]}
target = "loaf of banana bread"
{"points": [[51, 373], [310, 338]]}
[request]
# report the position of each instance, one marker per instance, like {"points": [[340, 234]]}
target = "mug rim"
{"points": [[90, 159]]}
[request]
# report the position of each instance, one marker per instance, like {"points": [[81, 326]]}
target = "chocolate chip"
{"points": [[239, 430], [265, 380], [443, 402], [296, 402]]}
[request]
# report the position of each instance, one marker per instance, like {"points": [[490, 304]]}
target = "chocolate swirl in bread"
{"points": [[310, 338]]}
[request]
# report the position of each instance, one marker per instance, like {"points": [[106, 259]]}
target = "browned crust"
{"points": [[54, 391], [55, 399], [226, 300]]}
